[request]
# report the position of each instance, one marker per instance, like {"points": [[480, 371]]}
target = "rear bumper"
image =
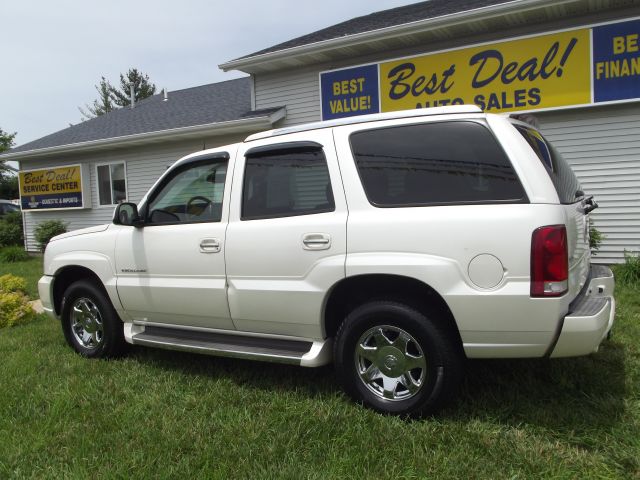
{"points": [[591, 316]]}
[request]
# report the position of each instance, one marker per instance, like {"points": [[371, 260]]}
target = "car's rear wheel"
{"points": [[90, 324], [395, 359]]}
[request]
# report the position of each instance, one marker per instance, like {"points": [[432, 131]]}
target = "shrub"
{"points": [[628, 273], [10, 283], [13, 254], [10, 235], [13, 218], [45, 231], [595, 237], [14, 309], [11, 229], [14, 304]]}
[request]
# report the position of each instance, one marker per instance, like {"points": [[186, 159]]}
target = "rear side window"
{"points": [[563, 178], [286, 183], [434, 164]]}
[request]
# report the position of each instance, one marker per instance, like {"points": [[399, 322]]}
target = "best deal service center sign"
{"points": [[52, 188], [577, 67]]}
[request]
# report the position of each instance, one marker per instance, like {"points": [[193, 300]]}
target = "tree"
{"points": [[110, 97], [9, 186], [104, 103], [142, 88], [6, 142]]}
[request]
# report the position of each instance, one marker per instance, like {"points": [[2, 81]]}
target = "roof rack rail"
{"points": [[373, 117]]}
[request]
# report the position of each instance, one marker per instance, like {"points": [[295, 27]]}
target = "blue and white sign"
{"points": [[616, 61], [348, 92]]}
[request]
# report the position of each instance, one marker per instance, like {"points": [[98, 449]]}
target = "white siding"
{"points": [[602, 144], [144, 165], [299, 91]]}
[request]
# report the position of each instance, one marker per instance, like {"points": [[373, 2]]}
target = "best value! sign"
{"points": [[576, 67], [58, 187]]}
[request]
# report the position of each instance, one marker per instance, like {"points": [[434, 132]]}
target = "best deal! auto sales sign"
{"points": [[575, 67]]}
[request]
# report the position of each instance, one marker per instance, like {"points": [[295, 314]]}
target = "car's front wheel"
{"points": [[396, 360], [90, 324]]}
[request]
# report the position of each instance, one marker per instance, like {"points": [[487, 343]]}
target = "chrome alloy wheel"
{"points": [[390, 362], [86, 323]]}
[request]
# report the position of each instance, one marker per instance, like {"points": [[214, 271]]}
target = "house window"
{"points": [[112, 186]]}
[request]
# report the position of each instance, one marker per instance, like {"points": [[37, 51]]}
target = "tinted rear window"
{"points": [[284, 184], [434, 164], [563, 178]]}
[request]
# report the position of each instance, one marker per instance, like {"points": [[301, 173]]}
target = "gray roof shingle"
{"points": [[206, 104], [383, 19]]}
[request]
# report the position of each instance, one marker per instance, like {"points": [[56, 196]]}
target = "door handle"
{"points": [[209, 245], [316, 241]]}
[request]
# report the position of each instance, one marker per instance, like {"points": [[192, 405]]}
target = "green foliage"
{"points": [[110, 97], [9, 186], [142, 88], [11, 232], [104, 103], [6, 140], [14, 304], [30, 270], [12, 284], [14, 309], [628, 273], [45, 231], [13, 218], [13, 254], [595, 237]]}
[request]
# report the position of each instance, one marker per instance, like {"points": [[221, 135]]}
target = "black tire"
{"points": [[430, 348], [98, 317]]}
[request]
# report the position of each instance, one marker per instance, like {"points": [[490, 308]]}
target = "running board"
{"points": [[296, 352]]}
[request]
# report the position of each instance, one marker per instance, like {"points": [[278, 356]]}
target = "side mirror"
{"points": [[127, 214]]}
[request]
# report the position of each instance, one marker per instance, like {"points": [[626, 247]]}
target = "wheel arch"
{"points": [[358, 289], [67, 275]]}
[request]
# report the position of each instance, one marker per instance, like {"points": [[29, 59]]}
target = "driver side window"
{"points": [[192, 194]]}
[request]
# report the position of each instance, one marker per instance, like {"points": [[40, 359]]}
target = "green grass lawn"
{"points": [[30, 270], [166, 414]]}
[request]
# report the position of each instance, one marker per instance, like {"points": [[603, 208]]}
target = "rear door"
{"points": [[573, 201], [286, 240]]}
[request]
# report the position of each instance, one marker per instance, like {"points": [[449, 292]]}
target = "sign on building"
{"points": [[53, 188], [569, 68]]}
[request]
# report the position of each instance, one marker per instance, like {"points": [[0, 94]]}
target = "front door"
{"points": [[171, 271]]}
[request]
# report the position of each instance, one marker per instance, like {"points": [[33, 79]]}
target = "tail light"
{"points": [[549, 261]]}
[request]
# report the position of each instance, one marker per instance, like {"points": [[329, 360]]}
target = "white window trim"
{"points": [[126, 183]]}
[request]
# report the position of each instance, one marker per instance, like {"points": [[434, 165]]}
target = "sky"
{"points": [[54, 52]]}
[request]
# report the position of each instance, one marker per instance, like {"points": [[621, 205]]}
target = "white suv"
{"points": [[396, 245]]}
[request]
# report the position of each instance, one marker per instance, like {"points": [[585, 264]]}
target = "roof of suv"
{"points": [[374, 117]]}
